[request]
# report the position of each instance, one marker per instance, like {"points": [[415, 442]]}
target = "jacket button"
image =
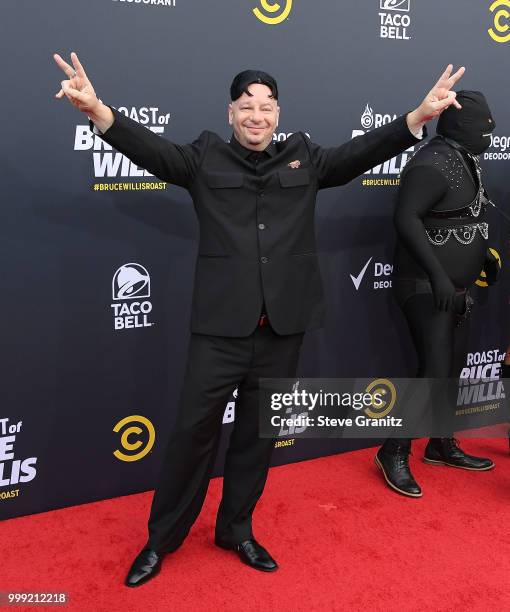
{"points": [[262, 226], [264, 259], [261, 194]]}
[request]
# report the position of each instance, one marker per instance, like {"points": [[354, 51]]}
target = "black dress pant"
{"points": [[215, 367]]}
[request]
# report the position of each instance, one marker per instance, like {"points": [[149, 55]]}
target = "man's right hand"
{"points": [[79, 91]]}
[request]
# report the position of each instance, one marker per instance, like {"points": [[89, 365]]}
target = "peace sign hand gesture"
{"points": [[439, 98], [80, 92]]}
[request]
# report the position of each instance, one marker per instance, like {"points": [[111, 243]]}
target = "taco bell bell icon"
{"points": [[131, 282]]}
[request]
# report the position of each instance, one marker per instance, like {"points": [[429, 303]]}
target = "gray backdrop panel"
{"points": [[68, 375]]}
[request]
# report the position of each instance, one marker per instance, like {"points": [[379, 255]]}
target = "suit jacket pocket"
{"points": [[294, 178], [223, 180]]}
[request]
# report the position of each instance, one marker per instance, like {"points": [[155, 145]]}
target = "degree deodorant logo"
{"points": [[273, 13], [500, 30], [380, 275], [148, 2], [137, 436]]}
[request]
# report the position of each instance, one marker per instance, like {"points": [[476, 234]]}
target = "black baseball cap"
{"points": [[248, 77]]}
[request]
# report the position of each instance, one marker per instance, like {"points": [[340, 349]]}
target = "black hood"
{"points": [[470, 126]]}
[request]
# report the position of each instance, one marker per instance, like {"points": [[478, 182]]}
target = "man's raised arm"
{"points": [[339, 165], [173, 163]]}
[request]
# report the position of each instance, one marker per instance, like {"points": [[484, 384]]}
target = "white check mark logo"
{"points": [[357, 279]]}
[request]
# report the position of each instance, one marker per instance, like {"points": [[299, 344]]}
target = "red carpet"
{"points": [[343, 540]]}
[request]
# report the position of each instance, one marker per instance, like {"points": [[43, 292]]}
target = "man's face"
{"points": [[254, 117]]}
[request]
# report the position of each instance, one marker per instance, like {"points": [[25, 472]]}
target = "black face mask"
{"points": [[471, 126]]}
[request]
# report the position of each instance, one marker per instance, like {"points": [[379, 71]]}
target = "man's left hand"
{"points": [[437, 100]]}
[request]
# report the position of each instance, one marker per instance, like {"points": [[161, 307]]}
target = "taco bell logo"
{"points": [[394, 5], [131, 282], [394, 19]]}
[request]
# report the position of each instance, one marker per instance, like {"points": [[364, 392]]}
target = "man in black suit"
{"points": [[257, 285]]}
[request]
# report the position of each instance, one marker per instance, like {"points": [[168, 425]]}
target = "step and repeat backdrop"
{"points": [[98, 255]]}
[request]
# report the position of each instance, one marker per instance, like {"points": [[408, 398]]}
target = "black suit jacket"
{"points": [[257, 238]]}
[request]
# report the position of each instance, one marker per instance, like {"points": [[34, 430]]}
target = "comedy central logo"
{"points": [[131, 282], [137, 437], [501, 30], [271, 8], [384, 397]]}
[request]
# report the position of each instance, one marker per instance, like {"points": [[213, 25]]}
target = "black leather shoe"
{"points": [[145, 567], [394, 465], [253, 554], [446, 451]]}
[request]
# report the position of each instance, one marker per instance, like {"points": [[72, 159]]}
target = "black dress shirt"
{"points": [[257, 238], [254, 157]]}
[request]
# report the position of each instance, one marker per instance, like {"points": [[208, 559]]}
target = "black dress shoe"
{"points": [[253, 554], [146, 565], [393, 460], [446, 451]]}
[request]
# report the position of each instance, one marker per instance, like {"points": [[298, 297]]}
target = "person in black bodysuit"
{"points": [[441, 249]]}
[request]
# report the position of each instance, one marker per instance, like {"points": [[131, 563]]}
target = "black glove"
{"points": [[444, 292]]}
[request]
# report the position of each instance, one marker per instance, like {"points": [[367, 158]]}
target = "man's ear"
{"points": [[277, 115], [230, 114]]}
